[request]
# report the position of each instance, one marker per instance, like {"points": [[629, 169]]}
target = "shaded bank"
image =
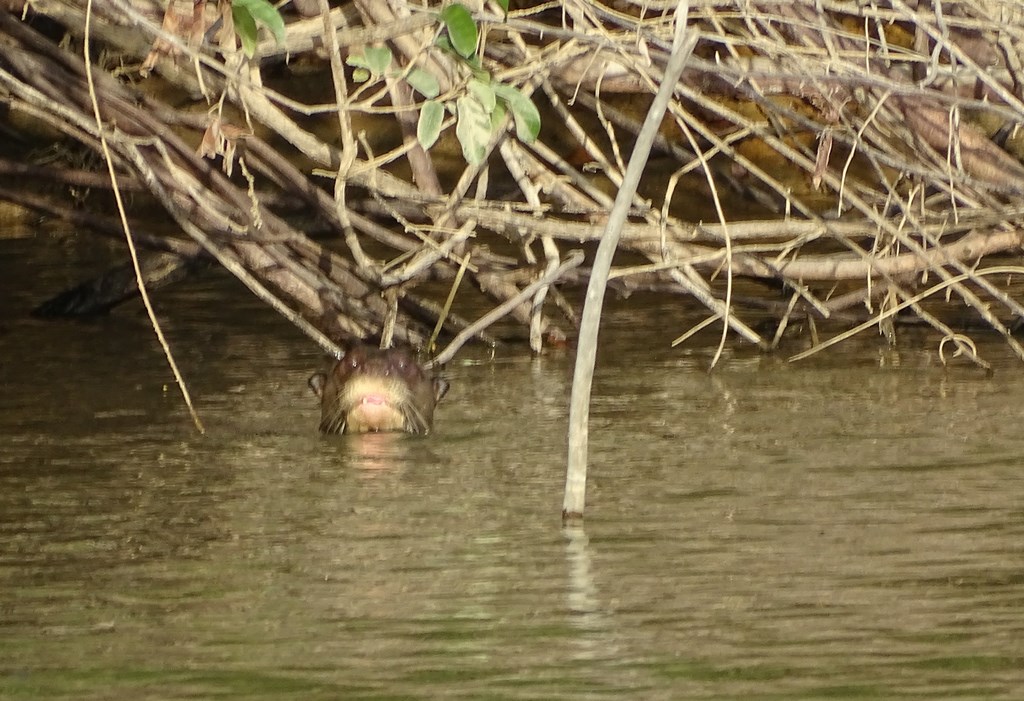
{"points": [[873, 150]]}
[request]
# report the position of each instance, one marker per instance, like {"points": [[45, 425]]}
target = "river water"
{"points": [[849, 527]]}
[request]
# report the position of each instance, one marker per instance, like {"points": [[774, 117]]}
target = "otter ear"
{"points": [[316, 383], [441, 386]]}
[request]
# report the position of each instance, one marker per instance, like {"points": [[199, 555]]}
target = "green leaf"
{"points": [[378, 58], [444, 43], [523, 110], [429, 126], [461, 29], [360, 75], [424, 83], [374, 60], [483, 93], [498, 116], [256, 11], [473, 129], [245, 27]]}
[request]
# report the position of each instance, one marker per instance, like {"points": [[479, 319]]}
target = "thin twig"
{"points": [[115, 188]]}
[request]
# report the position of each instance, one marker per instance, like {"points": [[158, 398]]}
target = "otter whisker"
{"points": [[414, 420], [334, 422]]}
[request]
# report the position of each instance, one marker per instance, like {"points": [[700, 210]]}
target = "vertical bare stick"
{"points": [[586, 353]]}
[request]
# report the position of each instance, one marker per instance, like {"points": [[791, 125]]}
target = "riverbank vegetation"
{"points": [[831, 167]]}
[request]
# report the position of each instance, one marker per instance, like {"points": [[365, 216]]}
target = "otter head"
{"points": [[377, 390]]}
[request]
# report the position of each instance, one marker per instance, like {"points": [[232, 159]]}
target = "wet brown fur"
{"points": [[410, 392]]}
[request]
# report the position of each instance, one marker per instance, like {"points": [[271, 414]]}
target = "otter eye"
{"points": [[353, 362]]}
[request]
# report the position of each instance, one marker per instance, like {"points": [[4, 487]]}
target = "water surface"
{"points": [[850, 527]]}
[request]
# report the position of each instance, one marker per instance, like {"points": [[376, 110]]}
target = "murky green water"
{"points": [[848, 528]]}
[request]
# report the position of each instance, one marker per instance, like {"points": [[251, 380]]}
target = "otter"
{"points": [[371, 390]]}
